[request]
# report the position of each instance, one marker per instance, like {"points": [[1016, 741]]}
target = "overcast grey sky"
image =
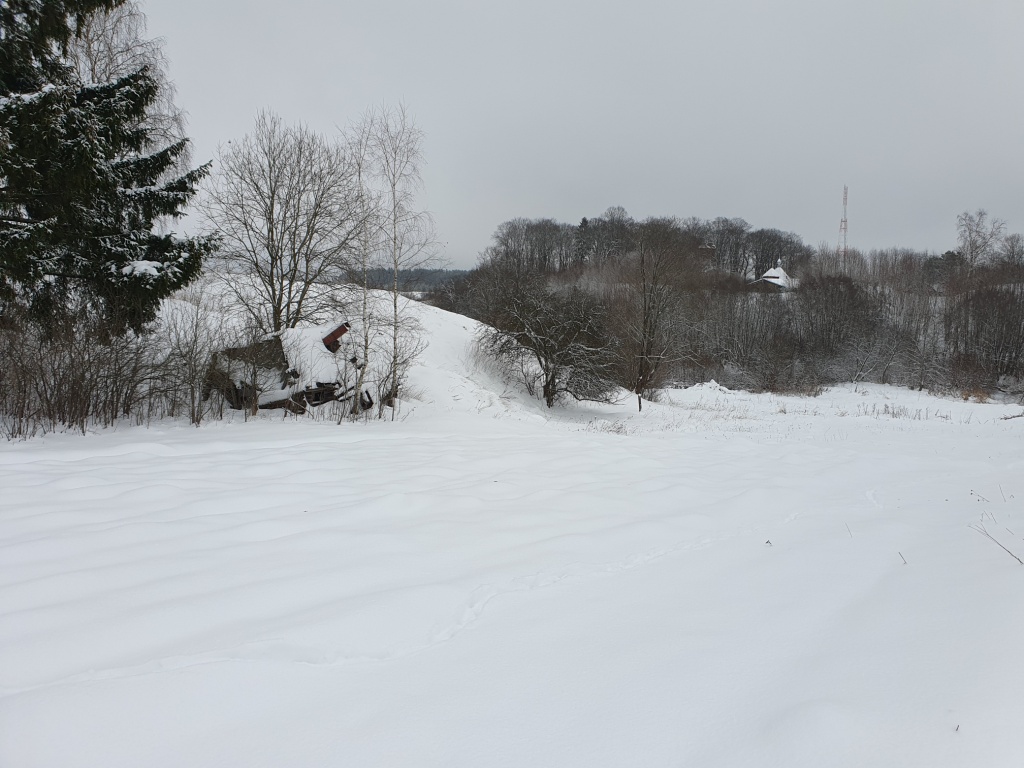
{"points": [[562, 108]]}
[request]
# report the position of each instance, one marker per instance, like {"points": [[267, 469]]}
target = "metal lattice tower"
{"points": [[843, 226]]}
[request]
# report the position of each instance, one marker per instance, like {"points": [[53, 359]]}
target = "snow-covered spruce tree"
{"points": [[84, 185]]}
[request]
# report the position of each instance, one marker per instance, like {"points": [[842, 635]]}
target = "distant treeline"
{"points": [[582, 309], [410, 280]]}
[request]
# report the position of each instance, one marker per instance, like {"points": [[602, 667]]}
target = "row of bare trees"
{"points": [[668, 307], [729, 245], [77, 376]]}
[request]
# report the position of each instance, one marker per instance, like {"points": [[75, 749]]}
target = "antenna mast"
{"points": [[843, 227]]}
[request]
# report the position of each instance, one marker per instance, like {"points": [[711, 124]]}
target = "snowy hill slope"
{"points": [[725, 579], [450, 377]]}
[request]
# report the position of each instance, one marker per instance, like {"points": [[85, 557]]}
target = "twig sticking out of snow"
{"points": [[980, 528], [902, 557]]}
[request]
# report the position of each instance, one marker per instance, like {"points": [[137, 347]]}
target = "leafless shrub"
{"points": [[554, 338], [985, 336], [70, 377], [192, 330]]}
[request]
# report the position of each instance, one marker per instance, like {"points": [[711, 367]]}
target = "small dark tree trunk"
{"points": [[550, 390]]}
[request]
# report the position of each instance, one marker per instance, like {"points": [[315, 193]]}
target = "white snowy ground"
{"points": [[718, 581]]}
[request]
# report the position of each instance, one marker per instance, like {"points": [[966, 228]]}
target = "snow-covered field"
{"points": [[725, 579]]}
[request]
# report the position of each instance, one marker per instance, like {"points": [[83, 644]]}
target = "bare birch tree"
{"points": [[355, 296], [405, 234], [113, 43]]}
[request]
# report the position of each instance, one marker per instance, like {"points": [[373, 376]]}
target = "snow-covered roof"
{"points": [[777, 276], [311, 360]]}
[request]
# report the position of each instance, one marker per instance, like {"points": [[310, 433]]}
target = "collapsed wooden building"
{"points": [[295, 369]]}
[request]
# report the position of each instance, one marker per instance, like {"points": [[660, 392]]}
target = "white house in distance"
{"points": [[777, 276]]}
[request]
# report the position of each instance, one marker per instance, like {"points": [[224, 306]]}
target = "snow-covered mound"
{"points": [[724, 579]]}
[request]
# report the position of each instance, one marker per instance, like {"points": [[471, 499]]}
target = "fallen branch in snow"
{"points": [[1015, 416], [980, 528]]}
